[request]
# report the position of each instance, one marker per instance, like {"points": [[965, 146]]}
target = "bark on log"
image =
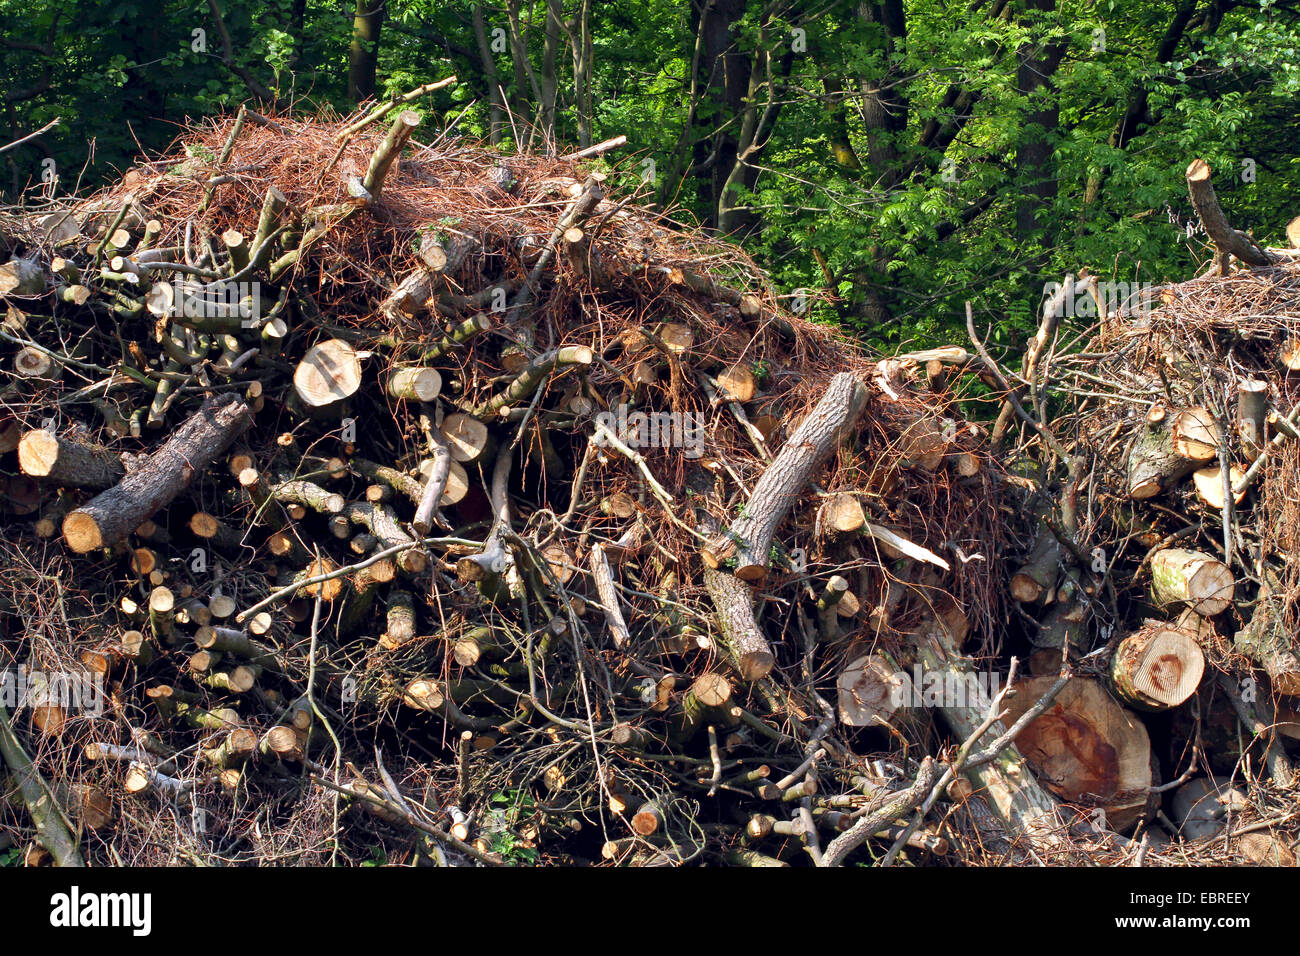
{"points": [[70, 464], [111, 516], [1153, 464], [380, 521], [1266, 641], [1193, 578], [426, 510], [1227, 240], [750, 537], [1252, 414], [707, 700], [1005, 784], [388, 150], [604, 579], [51, 831], [744, 642], [532, 377]]}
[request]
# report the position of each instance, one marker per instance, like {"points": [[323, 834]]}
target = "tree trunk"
{"points": [[111, 516], [363, 51], [744, 642]]}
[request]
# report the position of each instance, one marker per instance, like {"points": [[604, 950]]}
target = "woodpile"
{"points": [[403, 494], [1163, 472], [325, 440]]}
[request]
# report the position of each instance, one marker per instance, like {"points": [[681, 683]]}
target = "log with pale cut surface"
{"points": [[111, 516], [328, 374], [1156, 463], [1086, 749], [68, 462], [1157, 667], [1179, 576]]}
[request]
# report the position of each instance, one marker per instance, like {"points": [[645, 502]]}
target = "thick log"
{"points": [[51, 830], [457, 485], [1208, 483], [828, 608], [1086, 748], [426, 510], [400, 615], [1196, 435], [412, 295], [843, 513], [737, 383], [111, 516], [1154, 465], [744, 642], [68, 463], [707, 700], [749, 539], [22, 277], [1192, 578], [34, 363], [309, 495], [466, 437], [1158, 666], [870, 692], [328, 374]]}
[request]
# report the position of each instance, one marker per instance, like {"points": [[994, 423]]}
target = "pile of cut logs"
{"points": [[450, 489], [413, 497], [1162, 463]]}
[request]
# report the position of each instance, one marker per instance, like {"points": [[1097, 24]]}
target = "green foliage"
{"points": [[895, 177], [506, 811]]}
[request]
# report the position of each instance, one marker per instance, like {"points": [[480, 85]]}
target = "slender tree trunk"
{"points": [[496, 97], [1035, 165], [363, 53], [583, 63], [549, 79]]}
